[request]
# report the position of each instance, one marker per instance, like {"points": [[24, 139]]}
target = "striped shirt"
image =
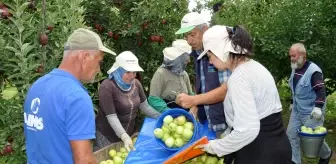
{"points": [[223, 78], [317, 84]]}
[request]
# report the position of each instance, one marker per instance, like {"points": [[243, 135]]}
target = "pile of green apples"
{"points": [[317, 130], [175, 132], [205, 158], [117, 157]]}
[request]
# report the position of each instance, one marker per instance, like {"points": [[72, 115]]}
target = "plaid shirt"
{"points": [[223, 78]]}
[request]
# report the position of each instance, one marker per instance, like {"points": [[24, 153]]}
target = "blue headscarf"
{"points": [[117, 77]]}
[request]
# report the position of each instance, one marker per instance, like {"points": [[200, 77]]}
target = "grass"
{"points": [[330, 121]]}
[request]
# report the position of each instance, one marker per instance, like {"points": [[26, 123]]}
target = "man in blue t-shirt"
{"points": [[58, 111]]}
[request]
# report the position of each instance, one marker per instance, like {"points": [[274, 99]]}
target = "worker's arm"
{"points": [[211, 97], [82, 152]]}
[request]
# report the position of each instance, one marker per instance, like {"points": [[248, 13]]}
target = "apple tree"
{"points": [[275, 25]]}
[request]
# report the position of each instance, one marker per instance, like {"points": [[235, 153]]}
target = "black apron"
{"points": [[270, 147]]}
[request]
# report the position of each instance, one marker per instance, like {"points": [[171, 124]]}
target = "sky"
{"points": [[205, 13]]}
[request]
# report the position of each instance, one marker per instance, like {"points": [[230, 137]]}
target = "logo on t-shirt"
{"points": [[32, 121]]}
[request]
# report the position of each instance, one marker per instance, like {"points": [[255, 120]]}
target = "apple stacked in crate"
{"points": [[317, 130], [175, 132], [117, 157], [205, 158]]}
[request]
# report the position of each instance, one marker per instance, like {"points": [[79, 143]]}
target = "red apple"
{"points": [[43, 39], [116, 36], [5, 13], [9, 149], [110, 34], [153, 38], [50, 28], [139, 44], [40, 69], [164, 21], [97, 26], [157, 38], [145, 25]]}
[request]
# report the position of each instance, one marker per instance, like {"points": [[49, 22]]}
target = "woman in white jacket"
{"points": [[255, 133]]}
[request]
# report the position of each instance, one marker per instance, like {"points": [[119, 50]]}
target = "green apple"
{"points": [[187, 134], [303, 128], [203, 158], [179, 142], [158, 133], [170, 142], [221, 161], [211, 160], [112, 153], [189, 125], [181, 120], [168, 119], [172, 127], [175, 135], [165, 136], [124, 155], [119, 154], [123, 150], [109, 162], [179, 129], [103, 162], [117, 160], [308, 131], [165, 129]]}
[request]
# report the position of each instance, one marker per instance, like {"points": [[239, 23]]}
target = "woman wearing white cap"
{"points": [[252, 103], [171, 78], [120, 97]]}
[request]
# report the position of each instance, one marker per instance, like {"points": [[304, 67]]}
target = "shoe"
{"points": [[325, 161]]}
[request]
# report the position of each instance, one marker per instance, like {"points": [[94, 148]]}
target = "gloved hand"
{"points": [[290, 107], [127, 141], [206, 147], [316, 113]]}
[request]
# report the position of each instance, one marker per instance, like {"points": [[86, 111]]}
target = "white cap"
{"points": [[216, 39], [182, 45], [190, 21], [179, 47], [128, 61]]}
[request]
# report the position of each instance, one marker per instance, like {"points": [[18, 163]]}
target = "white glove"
{"points": [[290, 107], [316, 113], [206, 147], [127, 141]]}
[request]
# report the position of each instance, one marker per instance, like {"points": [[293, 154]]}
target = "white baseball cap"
{"points": [[190, 21], [128, 61], [216, 39]]}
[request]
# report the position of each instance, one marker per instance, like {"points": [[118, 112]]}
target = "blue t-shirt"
{"points": [[57, 109]]}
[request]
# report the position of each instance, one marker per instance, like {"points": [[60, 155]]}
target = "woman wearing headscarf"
{"points": [[171, 79], [255, 133], [120, 97]]}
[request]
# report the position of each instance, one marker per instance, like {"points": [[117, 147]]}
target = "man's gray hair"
{"points": [[202, 26], [300, 47]]}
